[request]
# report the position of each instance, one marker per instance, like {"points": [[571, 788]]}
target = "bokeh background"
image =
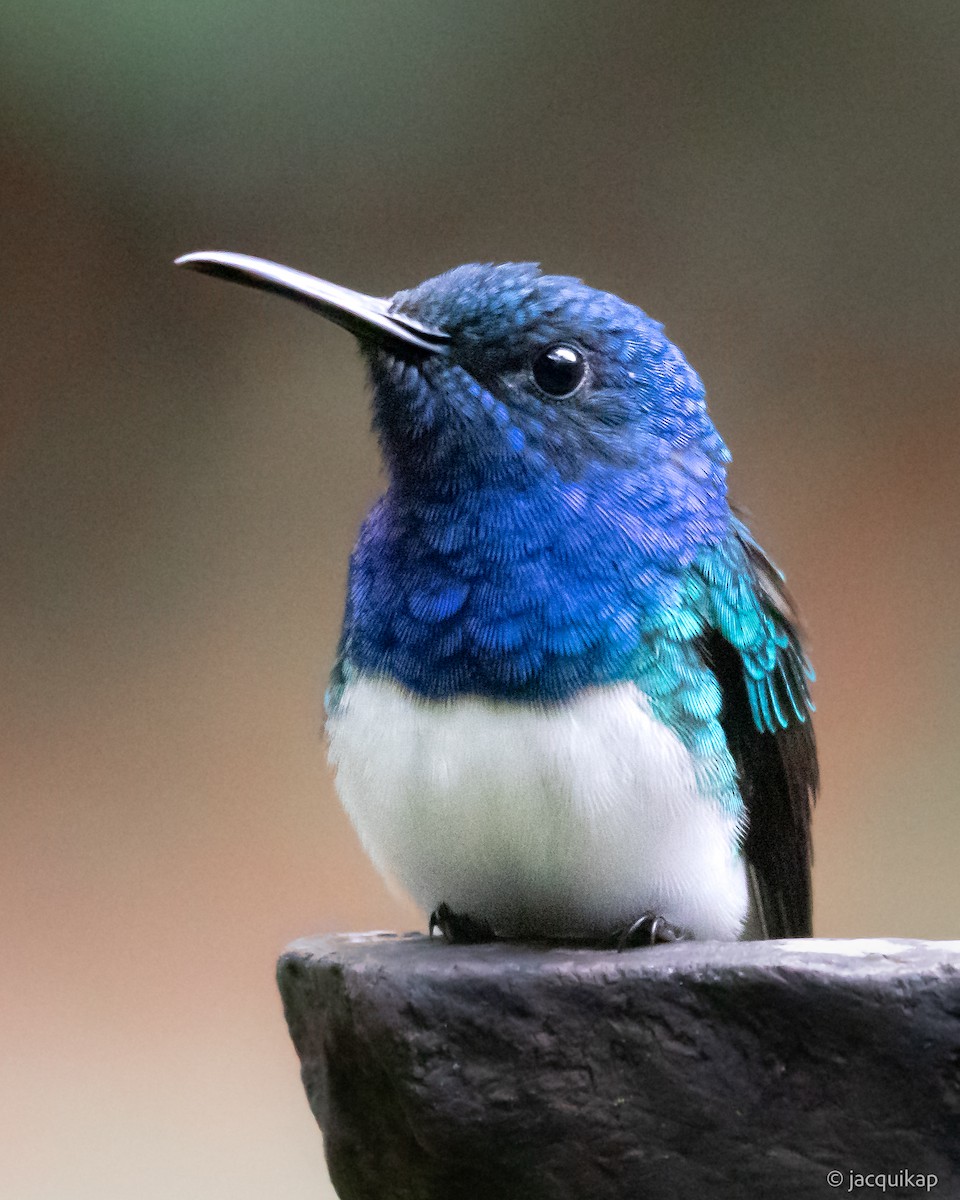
{"points": [[183, 467]]}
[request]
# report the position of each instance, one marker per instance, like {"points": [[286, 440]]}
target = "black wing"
{"points": [[766, 719]]}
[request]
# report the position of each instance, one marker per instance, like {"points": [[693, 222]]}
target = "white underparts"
{"points": [[569, 820]]}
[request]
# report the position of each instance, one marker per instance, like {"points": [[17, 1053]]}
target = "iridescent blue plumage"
{"points": [[528, 548], [556, 525], [526, 545]]}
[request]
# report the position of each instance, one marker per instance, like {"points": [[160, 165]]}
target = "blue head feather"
{"points": [[528, 546]]}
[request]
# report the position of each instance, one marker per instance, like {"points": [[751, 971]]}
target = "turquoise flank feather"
{"points": [[721, 592]]}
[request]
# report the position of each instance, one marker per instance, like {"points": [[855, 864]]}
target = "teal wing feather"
{"points": [[753, 645]]}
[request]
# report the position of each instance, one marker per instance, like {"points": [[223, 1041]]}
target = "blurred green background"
{"points": [[183, 467]]}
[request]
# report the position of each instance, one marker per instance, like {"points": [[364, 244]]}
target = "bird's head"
{"points": [[500, 374]]}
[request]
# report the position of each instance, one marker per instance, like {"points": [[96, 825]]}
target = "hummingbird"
{"points": [[571, 695]]}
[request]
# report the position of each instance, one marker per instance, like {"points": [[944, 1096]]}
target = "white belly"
{"points": [[570, 820]]}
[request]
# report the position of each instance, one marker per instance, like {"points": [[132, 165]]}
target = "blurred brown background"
{"points": [[183, 467]]}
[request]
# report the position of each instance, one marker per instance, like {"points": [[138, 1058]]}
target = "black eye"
{"points": [[559, 369]]}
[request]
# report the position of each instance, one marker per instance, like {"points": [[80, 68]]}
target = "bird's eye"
{"points": [[559, 370]]}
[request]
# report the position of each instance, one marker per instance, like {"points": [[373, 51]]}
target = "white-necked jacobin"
{"points": [[570, 698]]}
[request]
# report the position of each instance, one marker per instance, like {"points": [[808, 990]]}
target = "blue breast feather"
{"points": [[532, 597]]}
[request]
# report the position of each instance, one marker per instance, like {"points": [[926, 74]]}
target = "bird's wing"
{"points": [[754, 647]]}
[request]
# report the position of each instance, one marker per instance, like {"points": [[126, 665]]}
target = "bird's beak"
{"points": [[367, 317]]}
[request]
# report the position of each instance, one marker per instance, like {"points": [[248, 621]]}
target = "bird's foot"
{"points": [[648, 930], [458, 927]]}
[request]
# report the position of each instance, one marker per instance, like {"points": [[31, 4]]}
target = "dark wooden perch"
{"points": [[700, 1070]]}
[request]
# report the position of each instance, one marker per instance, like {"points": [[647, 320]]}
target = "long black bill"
{"points": [[367, 317]]}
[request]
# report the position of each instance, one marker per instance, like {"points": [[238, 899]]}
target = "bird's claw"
{"points": [[650, 929], [459, 927]]}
